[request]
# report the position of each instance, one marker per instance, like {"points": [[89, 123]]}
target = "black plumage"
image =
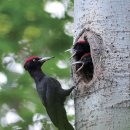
{"points": [[80, 48], [50, 91], [83, 59], [88, 67]]}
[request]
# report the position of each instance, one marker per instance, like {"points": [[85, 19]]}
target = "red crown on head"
{"points": [[30, 58], [86, 54], [81, 42]]}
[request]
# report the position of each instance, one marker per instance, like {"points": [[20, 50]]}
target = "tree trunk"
{"points": [[103, 102]]}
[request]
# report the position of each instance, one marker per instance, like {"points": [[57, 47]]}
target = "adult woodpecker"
{"points": [[50, 91]]}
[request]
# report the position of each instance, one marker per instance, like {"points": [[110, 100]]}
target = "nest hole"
{"points": [[83, 60]]}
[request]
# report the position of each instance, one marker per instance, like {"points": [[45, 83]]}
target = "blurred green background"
{"points": [[32, 27]]}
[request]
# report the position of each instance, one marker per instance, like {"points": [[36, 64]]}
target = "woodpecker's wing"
{"points": [[63, 93], [55, 104], [58, 116], [54, 88], [54, 101]]}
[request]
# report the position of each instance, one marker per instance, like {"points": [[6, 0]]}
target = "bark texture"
{"points": [[104, 102]]}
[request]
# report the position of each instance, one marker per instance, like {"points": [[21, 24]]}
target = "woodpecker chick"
{"points": [[86, 65], [80, 48], [50, 91], [83, 58]]}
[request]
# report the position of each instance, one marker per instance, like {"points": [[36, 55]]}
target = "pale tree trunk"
{"points": [[103, 103]]}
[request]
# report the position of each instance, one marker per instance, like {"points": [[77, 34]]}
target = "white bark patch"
{"points": [[104, 103]]}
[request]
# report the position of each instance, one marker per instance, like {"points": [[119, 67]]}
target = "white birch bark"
{"points": [[104, 102]]}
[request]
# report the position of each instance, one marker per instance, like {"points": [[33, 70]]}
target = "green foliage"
{"points": [[25, 30]]}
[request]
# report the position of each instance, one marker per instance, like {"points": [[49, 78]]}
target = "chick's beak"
{"points": [[42, 60]]}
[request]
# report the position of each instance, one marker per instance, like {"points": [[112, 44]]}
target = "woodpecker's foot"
{"points": [[72, 92], [73, 87]]}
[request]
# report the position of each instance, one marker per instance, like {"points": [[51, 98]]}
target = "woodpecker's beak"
{"points": [[79, 62], [71, 50], [75, 52], [42, 60]]}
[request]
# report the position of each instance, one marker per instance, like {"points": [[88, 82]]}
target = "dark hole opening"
{"points": [[83, 59]]}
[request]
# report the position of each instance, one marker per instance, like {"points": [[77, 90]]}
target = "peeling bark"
{"points": [[104, 102]]}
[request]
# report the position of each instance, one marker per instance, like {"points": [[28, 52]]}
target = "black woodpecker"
{"points": [[50, 91]]}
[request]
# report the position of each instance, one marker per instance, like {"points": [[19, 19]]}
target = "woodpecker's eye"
{"points": [[34, 60]]}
